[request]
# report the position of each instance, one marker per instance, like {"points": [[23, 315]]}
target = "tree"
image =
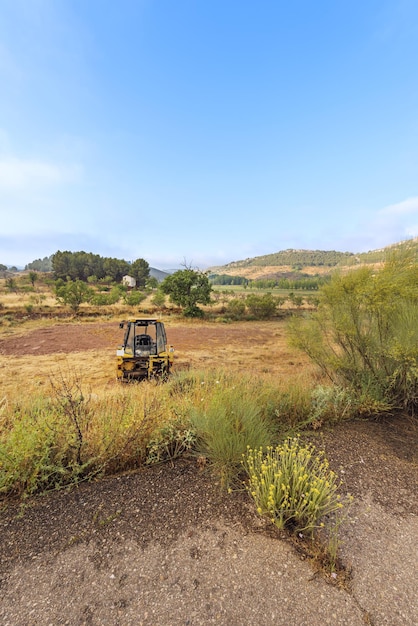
{"points": [[152, 283], [158, 299], [73, 293], [187, 288], [80, 265], [11, 284], [41, 265], [33, 277], [139, 269]]}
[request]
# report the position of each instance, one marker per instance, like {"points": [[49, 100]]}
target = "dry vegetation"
{"points": [[38, 337], [241, 346]]}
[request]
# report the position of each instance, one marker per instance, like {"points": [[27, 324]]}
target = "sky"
{"points": [[200, 132]]}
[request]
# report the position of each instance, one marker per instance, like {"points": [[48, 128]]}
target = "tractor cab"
{"points": [[144, 352]]}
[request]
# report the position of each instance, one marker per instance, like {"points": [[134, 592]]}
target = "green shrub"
{"points": [[292, 485], [73, 293], [365, 332], [104, 297], [235, 309], [101, 299], [228, 420], [331, 404], [133, 298], [261, 307], [169, 442], [158, 299]]}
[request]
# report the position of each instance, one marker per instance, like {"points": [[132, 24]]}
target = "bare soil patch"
{"points": [[90, 347], [77, 337]]}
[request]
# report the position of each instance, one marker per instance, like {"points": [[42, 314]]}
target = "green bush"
{"points": [[331, 404], [106, 297], [158, 299], [261, 307], [73, 293], [235, 309], [133, 298], [365, 332], [169, 442], [292, 485]]}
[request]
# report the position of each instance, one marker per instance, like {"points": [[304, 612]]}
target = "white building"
{"points": [[129, 281]]}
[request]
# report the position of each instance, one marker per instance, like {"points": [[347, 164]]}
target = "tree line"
{"points": [[308, 283], [85, 265]]}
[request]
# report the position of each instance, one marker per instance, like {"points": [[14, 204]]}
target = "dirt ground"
{"points": [[190, 340], [165, 546], [90, 347], [77, 337]]}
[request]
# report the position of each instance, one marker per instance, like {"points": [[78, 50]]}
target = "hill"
{"points": [[307, 262], [158, 274]]}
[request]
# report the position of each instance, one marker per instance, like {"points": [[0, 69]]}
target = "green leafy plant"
{"points": [[158, 299], [292, 484], [235, 309], [133, 298], [261, 307], [331, 403], [169, 442], [187, 288], [73, 293]]}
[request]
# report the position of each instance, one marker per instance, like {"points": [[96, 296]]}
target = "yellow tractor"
{"points": [[144, 352]]}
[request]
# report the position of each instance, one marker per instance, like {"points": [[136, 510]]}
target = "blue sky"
{"points": [[206, 131]]}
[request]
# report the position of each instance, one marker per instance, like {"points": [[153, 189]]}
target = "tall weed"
{"points": [[50, 441], [232, 414]]}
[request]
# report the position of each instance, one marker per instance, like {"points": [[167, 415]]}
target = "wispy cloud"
{"points": [[17, 173], [393, 223], [406, 207]]}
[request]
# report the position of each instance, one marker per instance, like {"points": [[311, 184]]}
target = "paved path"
{"points": [[136, 558]]}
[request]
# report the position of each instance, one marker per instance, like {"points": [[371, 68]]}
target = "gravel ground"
{"points": [[164, 546]]}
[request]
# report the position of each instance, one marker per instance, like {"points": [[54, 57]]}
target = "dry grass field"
{"points": [[32, 352], [39, 338]]}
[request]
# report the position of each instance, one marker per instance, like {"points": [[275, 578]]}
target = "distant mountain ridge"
{"points": [[305, 261], [158, 274]]}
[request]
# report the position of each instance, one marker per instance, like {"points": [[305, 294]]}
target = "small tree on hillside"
{"points": [[187, 288], [73, 293], [11, 284]]}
